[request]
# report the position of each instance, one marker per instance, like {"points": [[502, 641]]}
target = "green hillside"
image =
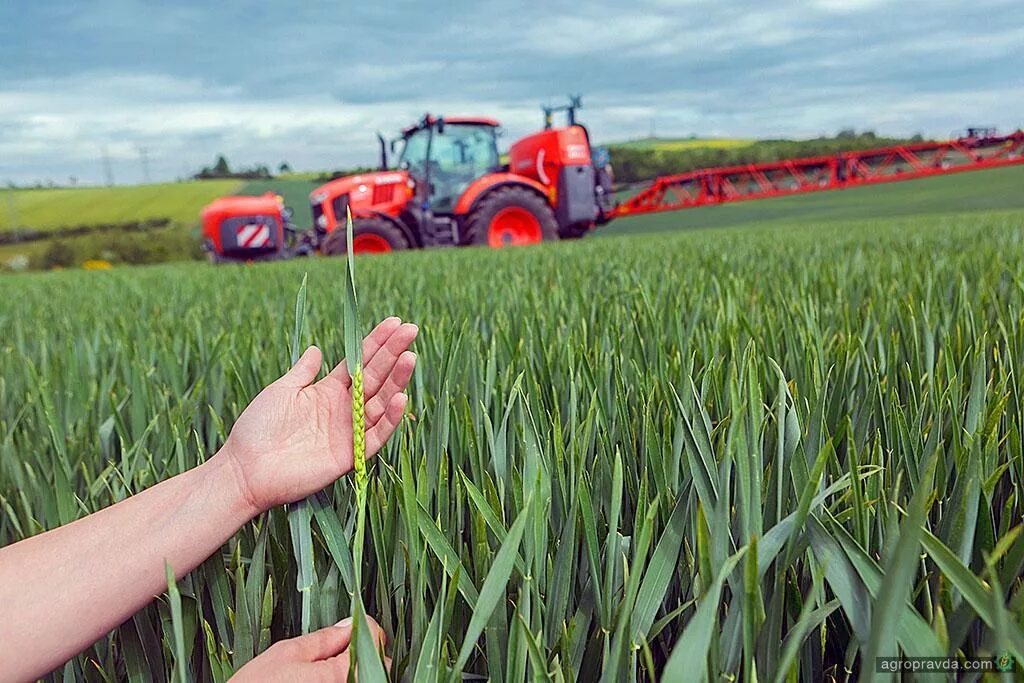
{"points": [[294, 190], [54, 209]]}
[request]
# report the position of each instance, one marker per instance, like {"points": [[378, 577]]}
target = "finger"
{"points": [[304, 371], [378, 369], [371, 344], [341, 662], [322, 644], [378, 435], [395, 383]]}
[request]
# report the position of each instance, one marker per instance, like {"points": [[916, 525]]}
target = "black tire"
{"points": [[574, 231], [211, 253], [334, 244], [477, 227]]}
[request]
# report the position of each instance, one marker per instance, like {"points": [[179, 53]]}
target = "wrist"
{"points": [[229, 478]]}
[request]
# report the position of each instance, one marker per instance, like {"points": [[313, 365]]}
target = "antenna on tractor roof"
{"points": [[575, 102]]}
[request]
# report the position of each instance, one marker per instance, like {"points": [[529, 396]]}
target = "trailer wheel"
{"points": [[511, 216], [369, 236], [211, 252]]}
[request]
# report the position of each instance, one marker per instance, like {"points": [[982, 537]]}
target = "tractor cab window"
{"points": [[466, 151], [414, 152], [459, 154]]}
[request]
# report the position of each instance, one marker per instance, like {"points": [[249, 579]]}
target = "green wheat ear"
{"points": [[354, 360]]}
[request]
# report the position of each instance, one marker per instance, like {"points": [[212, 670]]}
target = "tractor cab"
{"points": [[443, 156]]}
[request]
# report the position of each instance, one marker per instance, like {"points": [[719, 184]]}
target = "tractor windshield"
{"points": [[459, 154], [414, 152]]}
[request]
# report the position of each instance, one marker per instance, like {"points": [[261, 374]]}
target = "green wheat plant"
{"points": [[769, 453], [300, 514], [177, 626]]}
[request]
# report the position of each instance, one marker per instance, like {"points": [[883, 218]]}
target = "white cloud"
{"points": [[310, 83], [566, 35], [847, 6], [183, 123]]}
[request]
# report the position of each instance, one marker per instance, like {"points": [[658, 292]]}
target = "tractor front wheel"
{"points": [[511, 216], [369, 236]]}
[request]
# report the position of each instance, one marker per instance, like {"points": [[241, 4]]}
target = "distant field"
{"points": [[996, 189], [677, 144], [294, 190], [301, 175], [977, 191], [53, 209]]}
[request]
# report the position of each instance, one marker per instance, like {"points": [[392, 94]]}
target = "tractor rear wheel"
{"points": [[511, 216], [369, 236]]}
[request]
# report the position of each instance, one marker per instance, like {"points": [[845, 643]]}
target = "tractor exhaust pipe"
{"points": [[383, 152]]}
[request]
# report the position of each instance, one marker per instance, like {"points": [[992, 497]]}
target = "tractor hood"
{"points": [[382, 192]]}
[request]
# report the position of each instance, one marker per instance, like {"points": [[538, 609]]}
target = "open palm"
{"points": [[295, 437]]}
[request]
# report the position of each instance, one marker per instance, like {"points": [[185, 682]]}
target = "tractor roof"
{"points": [[478, 120], [456, 120]]}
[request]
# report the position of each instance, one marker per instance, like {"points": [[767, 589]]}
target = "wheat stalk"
{"points": [[365, 658]]}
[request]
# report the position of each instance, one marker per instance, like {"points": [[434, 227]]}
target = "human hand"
{"points": [[323, 655], [295, 437]]}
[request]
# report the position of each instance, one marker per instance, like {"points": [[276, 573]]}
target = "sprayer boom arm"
{"points": [[814, 174]]}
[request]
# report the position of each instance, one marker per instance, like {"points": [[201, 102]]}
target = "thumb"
{"points": [[327, 642], [304, 371]]}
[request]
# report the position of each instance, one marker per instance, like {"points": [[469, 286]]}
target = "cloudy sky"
{"points": [[263, 82]]}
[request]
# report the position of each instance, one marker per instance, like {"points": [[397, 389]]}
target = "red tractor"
{"points": [[449, 188]]}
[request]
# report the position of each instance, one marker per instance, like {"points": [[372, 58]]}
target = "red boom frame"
{"points": [[814, 174]]}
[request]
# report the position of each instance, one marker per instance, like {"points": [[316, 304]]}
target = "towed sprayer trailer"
{"points": [[250, 229], [448, 187]]}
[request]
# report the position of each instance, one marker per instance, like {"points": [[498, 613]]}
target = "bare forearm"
{"points": [[66, 588]]}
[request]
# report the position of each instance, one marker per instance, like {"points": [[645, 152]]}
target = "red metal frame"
{"points": [[815, 174]]}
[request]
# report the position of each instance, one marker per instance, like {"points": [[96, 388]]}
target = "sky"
{"points": [[176, 83]]}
